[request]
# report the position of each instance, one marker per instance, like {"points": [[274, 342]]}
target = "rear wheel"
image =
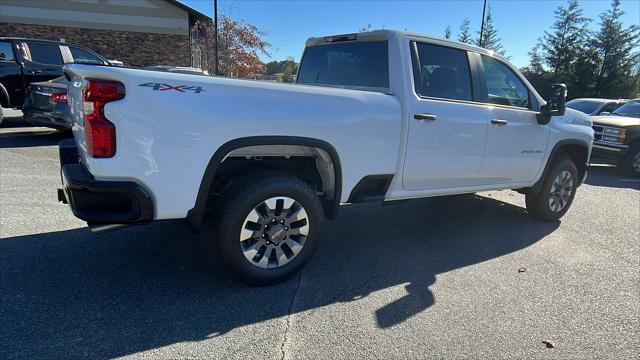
{"points": [[268, 226], [557, 191], [631, 161]]}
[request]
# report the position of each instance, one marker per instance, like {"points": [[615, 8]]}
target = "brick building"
{"points": [[136, 32]]}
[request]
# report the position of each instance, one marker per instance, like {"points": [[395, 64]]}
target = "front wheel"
{"points": [[268, 226], [631, 161], [557, 191]]}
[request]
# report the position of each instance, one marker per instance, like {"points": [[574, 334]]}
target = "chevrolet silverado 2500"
{"points": [[377, 116]]}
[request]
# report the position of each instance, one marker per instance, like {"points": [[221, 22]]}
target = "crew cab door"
{"points": [[42, 61], [516, 143], [10, 76], [447, 130]]}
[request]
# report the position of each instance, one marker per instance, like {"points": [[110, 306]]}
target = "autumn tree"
{"points": [[489, 38], [239, 46], [465, 32]]}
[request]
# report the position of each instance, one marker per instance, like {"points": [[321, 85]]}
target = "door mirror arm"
{"points": [[556, 104]]}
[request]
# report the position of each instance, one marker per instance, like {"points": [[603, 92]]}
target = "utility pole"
{"points": [[484, 8], [215, 31]]}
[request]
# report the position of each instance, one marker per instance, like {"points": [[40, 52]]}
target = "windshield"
{"points": [[585, 106], [630, 109], [359, 64]]}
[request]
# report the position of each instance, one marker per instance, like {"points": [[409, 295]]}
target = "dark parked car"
{"points": [[595, 107], [617, 137], [46, 104], [25, 61]]}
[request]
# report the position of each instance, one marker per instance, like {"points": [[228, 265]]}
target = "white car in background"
{"points": [[595, 107]]}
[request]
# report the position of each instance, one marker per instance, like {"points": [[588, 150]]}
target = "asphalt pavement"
{"points": [[462, 277]]}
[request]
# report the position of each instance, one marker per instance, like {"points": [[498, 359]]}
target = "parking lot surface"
{"points": [[462, 277]]}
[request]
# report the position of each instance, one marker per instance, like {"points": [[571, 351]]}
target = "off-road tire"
{"points": [[239, 200], [539, 204]]}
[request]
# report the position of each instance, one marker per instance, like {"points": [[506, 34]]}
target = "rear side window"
{"points": [[45, 53], [360, 64], [584, 106], [82, 56], [6, 52], [442, 72], [503, 86]]}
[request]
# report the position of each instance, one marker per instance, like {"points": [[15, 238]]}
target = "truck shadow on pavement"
{"points": [[72, 294], [611, 176], [15, 133]]}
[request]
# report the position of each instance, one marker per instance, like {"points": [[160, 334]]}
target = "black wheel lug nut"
{"points": [[281, 221]]}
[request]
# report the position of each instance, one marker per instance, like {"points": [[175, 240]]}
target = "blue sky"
{"points": [[290, 22]]}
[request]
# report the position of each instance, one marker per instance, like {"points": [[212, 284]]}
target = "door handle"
{"points": [[499, 122], [429, 117], [35, 71]]}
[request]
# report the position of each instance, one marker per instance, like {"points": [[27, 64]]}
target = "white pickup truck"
{"points": [[376, 116]]}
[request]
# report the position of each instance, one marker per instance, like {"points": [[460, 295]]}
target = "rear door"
{"points": [[516, 143], [447, 126], [10, 75], [43, 61]]}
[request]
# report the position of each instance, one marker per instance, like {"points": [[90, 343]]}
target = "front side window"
{"points": [[442, 72], [82, 56], [503, 86], [45, 53], [359, 63], [6, 52], [630, 109]]}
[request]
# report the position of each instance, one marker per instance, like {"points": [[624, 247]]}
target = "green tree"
{"points": [[561, 47], [616, 47], [489, 39], [447, 32], [465, 32], [537, 75]]}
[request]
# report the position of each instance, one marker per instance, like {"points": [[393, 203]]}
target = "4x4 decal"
{"points": [[180, 88]]}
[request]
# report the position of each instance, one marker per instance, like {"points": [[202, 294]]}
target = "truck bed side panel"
{"points": [[167, 133]]}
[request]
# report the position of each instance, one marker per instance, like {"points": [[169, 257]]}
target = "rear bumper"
{"points": [[100, 202], [45, 118]]}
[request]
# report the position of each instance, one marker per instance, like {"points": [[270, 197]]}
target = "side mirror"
{"points": [[605, 113], [556, 103]]}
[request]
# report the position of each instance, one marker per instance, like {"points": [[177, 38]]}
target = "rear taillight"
{"points": [[100, 133], [59, 98]]}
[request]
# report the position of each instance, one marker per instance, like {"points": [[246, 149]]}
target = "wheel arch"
{"points": [[576, 150], [4, 97], [330, 206]]}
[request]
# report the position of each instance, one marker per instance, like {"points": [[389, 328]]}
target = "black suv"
{"points": [[24, 61]]}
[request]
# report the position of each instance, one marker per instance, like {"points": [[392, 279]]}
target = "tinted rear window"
{"points": [[585, 106], [45, 53], [361, 63]]}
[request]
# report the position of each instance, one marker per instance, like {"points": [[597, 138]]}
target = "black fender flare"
{"points": [[536, 187], [195, 216]]}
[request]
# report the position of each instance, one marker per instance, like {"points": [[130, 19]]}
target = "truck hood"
{"points": [[614, 120]]}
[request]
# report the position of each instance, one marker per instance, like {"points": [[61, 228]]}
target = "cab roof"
{"points": [[385, 34]]}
